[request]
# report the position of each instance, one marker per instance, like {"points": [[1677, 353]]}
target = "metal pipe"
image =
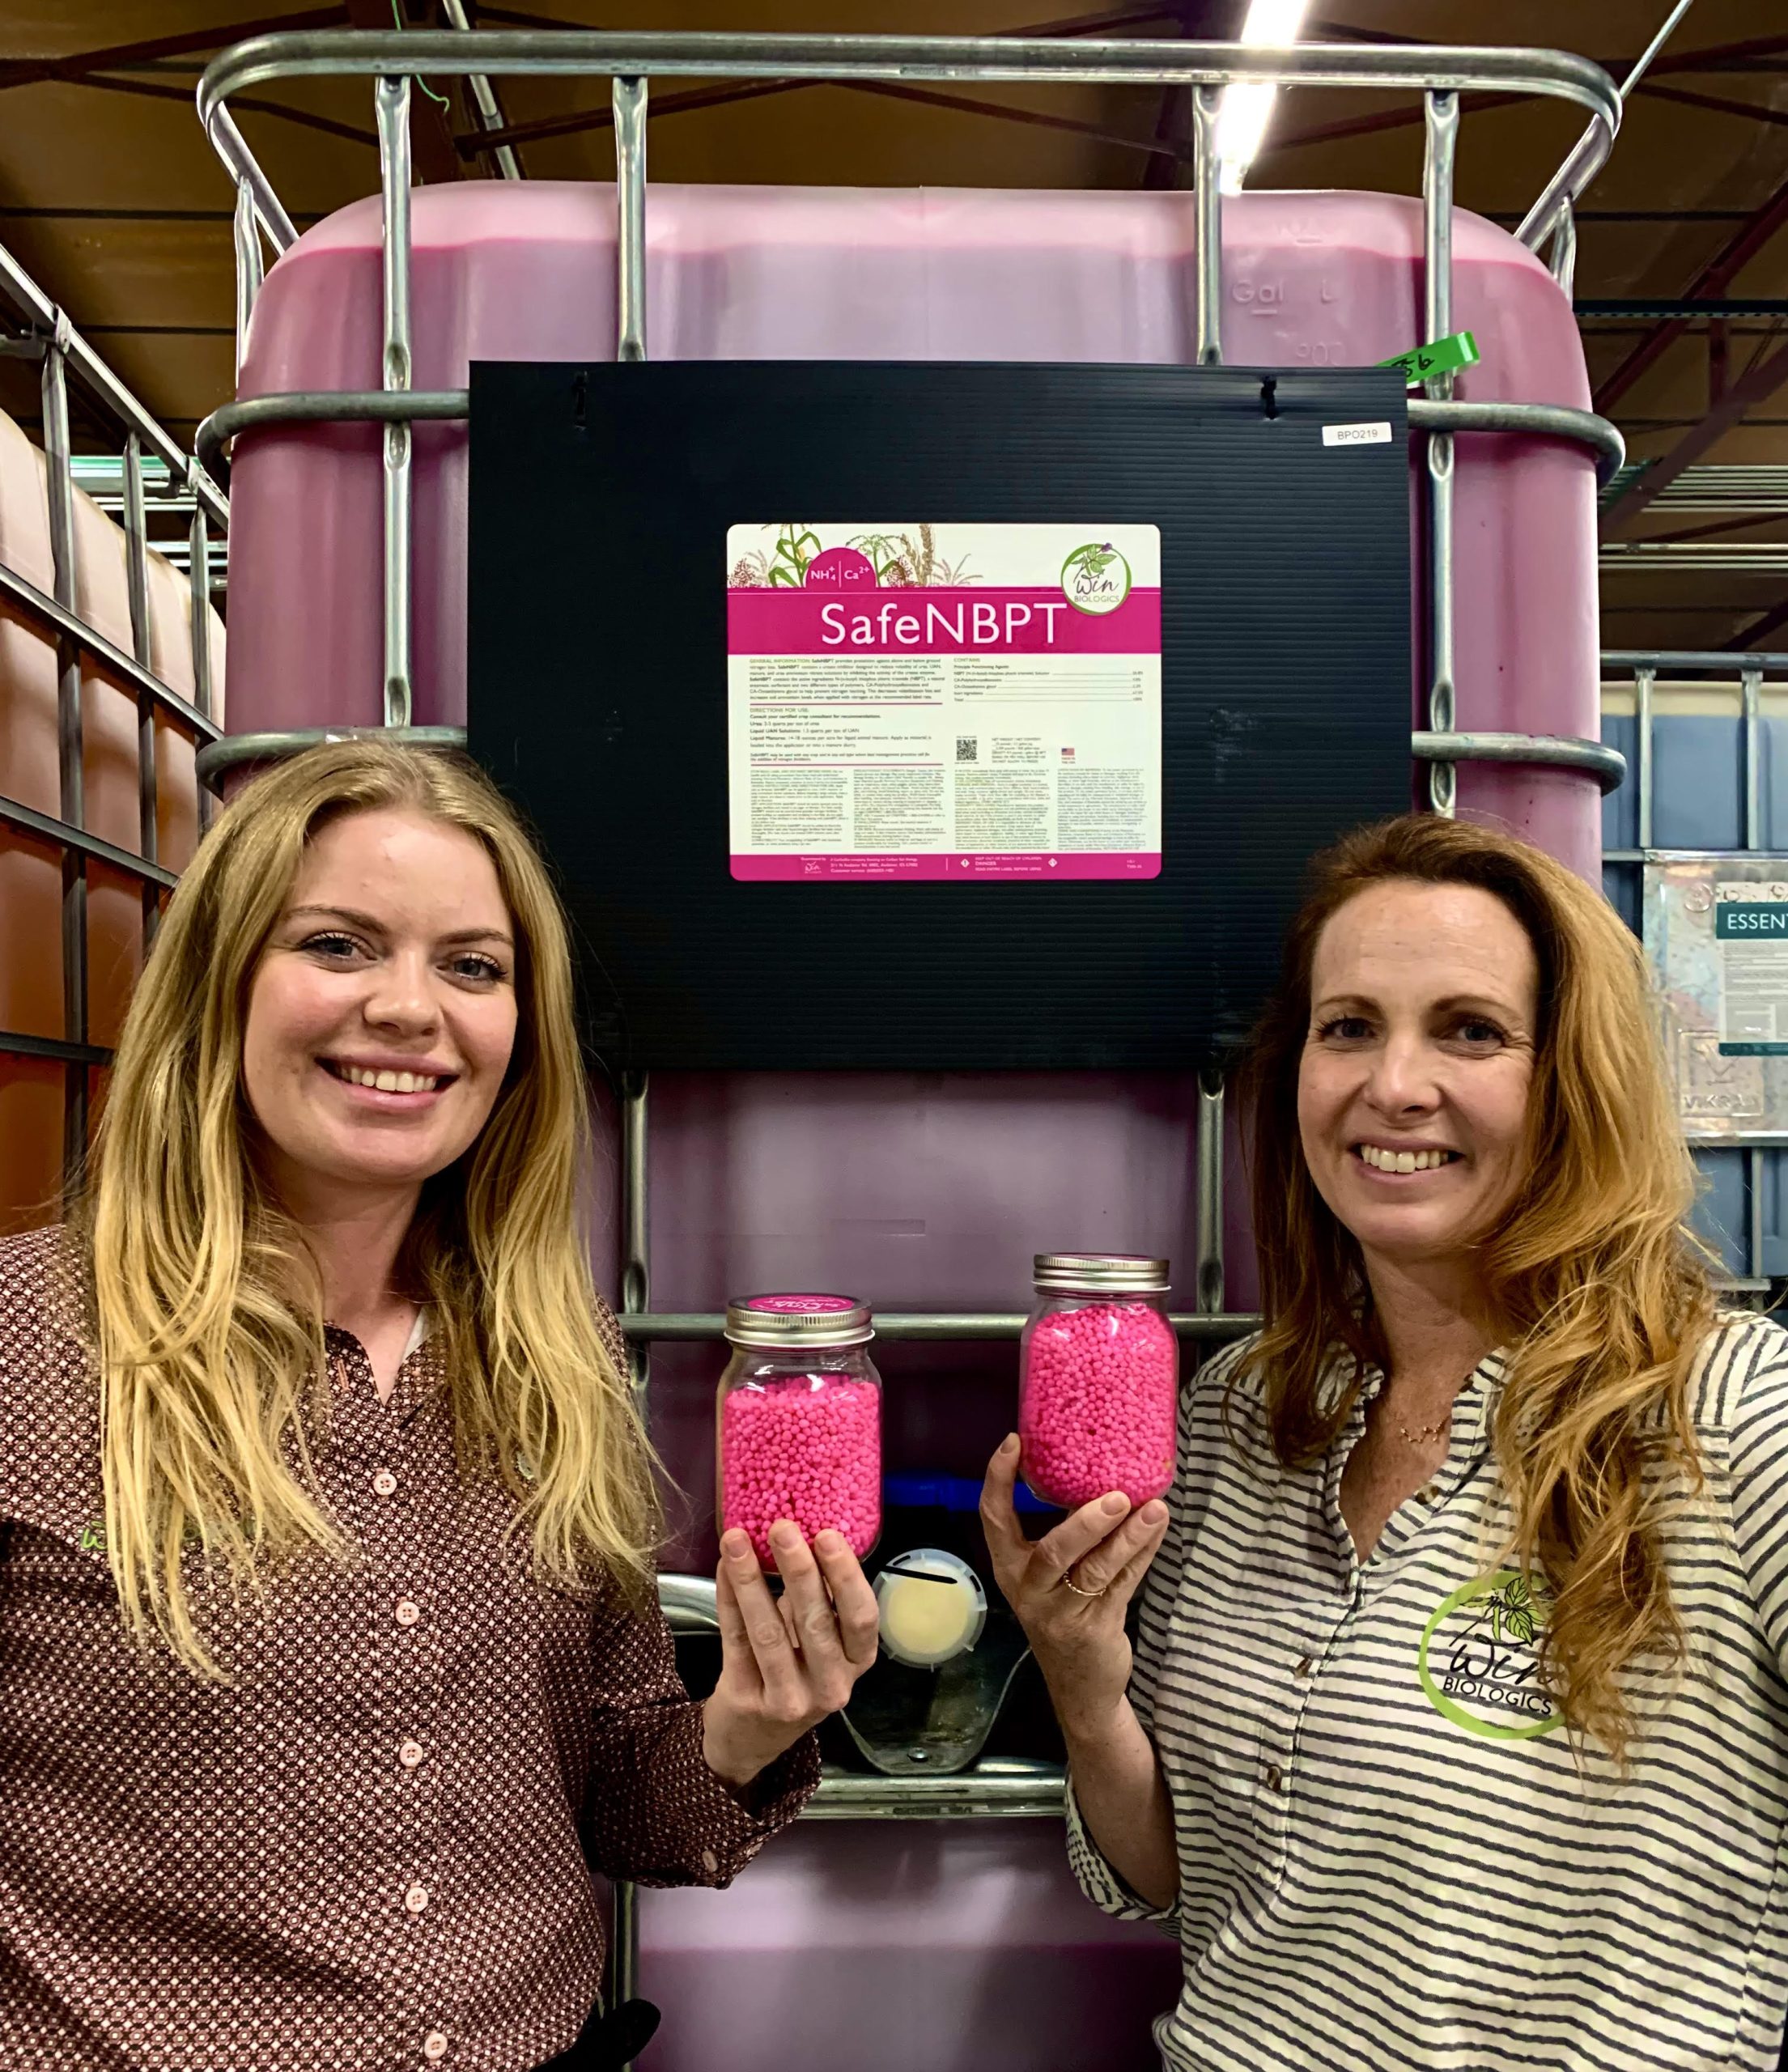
{"points": [[1534, 420], [636, 1293], [1563, 260], [228, 143], [394, 119], [1440, 117], [376, 406], [1034, 1792], [1751, 682], [136, 562], [1674, 661], [136, 551], [483, 99], [198, 583], [96, 376], [636, 1219], [1753, 1248], [939, 1327], [229, 752], [624, 1947], [1607, 765], [60, 479], [327, 406], [689, 1603], [1209, 1223], [1642, 682], [1208, 226], [628, 97], [248, 267], [317, 54], [65, 834], [15, 1044], [103, 658]]}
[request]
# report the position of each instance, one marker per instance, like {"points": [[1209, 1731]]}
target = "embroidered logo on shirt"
{"points": [[1479, 1660]]}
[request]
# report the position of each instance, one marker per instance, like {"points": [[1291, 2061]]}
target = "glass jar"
{"points": [[1099, 1379], [799, 1421]]}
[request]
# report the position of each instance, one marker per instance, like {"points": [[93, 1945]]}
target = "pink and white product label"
{"points": [[956, 701]]}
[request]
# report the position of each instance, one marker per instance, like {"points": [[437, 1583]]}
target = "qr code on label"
{"points": [[965, 749]]}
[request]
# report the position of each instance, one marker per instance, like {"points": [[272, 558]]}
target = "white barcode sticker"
{"points": [[1357, 434]]}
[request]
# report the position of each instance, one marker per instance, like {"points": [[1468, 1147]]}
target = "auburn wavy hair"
{"points": [[205, 1306], [1590, 1278]]}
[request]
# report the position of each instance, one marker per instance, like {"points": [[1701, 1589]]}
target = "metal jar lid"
{"points": [[1098, 1273], [774, 1320]]}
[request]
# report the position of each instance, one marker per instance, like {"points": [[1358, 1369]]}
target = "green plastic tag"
{"points": [[1445, 356]]}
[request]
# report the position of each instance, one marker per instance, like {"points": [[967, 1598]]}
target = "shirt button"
{"points": [[385, 1483], [710, 1861], [411, 1754], [1303, 1669], [1429, 1493], [416, 1898], [408, 1612], [434, 2046], [1276, 1777]]}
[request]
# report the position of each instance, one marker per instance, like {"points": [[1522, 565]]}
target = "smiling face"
{"points": [[1413, 1087], [382, 1013]]}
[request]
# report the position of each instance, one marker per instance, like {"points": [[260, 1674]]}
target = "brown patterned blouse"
{"points": [[371, 1848]]}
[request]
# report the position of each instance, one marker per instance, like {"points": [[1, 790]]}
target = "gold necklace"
{"points": [[1426, 1435]]}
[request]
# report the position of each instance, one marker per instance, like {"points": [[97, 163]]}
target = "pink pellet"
{"points": [[1097, 1407], [804, 1447]]}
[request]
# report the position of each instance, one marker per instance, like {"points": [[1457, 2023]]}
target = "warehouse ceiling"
{"points": [[113, 200]]}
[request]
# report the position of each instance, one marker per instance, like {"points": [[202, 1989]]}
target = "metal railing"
{"points": [[1714, 669], [630, 62], [81, 649]]}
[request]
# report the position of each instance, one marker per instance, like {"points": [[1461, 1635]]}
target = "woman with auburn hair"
{"points": [[1455, 1732], [330, 1659]]}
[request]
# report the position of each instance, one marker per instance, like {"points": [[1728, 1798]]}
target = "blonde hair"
{"points": [[1591, 1276], [207, 1322]]}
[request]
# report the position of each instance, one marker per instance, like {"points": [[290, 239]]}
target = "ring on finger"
{"points": [[1071, 1585]]}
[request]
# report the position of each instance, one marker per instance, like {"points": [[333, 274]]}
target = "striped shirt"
{"points": [[1388, 1855]]}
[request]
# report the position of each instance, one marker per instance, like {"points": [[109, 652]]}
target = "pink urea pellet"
{"points": [[805, 1447], [1098, 1405]]}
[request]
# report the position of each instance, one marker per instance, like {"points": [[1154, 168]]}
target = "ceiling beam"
{"points": [[1033, 116], [1757, 385], [1759, 629], [31, 71], [239, 103], [1746, 111], [720, 97], [1714, 278]]}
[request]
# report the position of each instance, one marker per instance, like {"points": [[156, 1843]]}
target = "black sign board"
{"points": [[602, 499]]}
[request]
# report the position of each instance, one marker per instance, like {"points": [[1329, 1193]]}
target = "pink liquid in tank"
{"points": [[1098, 1406]]}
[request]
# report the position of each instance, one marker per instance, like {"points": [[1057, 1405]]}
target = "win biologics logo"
{"points": [[1479, 1659], [1096, 579]]}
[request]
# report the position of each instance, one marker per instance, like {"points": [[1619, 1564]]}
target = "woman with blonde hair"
{"points": [[1455, 1732], [330, 1660]]}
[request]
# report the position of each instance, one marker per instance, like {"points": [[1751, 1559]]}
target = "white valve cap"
{"points": [[933, 1608]]}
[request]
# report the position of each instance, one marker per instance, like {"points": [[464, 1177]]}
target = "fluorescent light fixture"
{"points": [[1242, 120]]}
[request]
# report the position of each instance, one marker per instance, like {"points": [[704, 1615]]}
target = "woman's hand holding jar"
{"points": [[785, 1663], [1071, 1589]]}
